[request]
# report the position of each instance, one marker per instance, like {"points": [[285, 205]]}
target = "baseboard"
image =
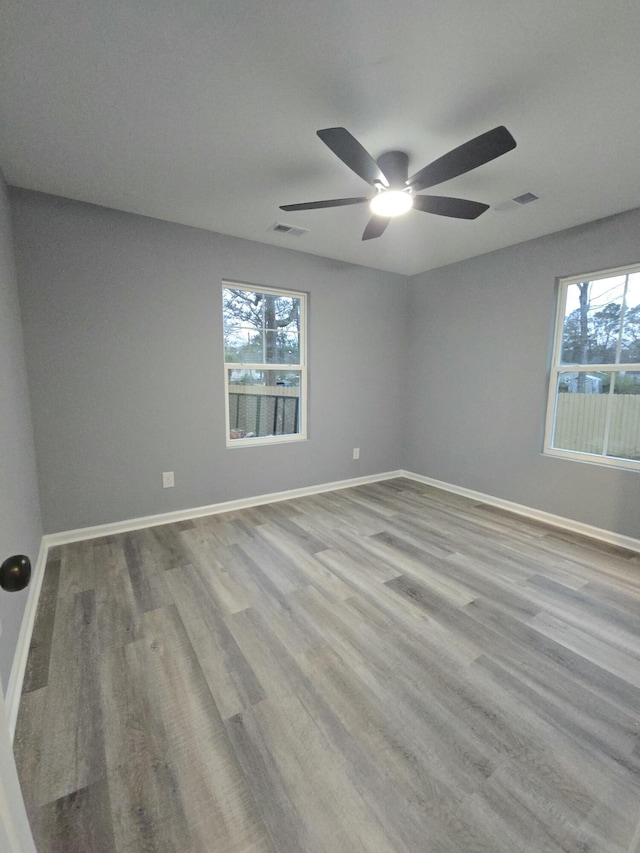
{"points": [[19, 666], [559, 521], [67, 536]]}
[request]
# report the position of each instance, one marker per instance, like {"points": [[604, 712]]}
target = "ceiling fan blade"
{"points": [[375, 227], [330, 202], [350, 151], [463, 159], [459, 208]]}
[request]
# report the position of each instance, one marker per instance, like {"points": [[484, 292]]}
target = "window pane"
{"points": [[261, 327], [624, 428], [630, 348], [263, 403], [592, 321], [282, 329], [581, 411], [242, 312], [243, 344]]}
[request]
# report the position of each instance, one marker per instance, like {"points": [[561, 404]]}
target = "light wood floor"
{"points": [[386, 668]]}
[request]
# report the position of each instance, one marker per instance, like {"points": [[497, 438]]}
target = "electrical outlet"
{"points": [[167, 480], [356, 453]]}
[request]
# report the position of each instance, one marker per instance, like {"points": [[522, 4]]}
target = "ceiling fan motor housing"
{"points": [[395, 165]]}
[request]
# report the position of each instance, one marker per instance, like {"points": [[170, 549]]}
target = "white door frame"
{"points": [[15, 833]]}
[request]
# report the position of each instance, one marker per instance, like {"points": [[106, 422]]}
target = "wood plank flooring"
{"points": [[385, 668]]}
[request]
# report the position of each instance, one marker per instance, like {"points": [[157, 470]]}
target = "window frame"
{"points": [[558, 367], [301, 367]]}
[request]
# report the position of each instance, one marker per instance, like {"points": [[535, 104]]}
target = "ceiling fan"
{"points": [[396, 193]]}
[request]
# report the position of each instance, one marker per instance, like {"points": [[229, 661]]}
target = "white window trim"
{"points": [[302, 367], [557, 368]]}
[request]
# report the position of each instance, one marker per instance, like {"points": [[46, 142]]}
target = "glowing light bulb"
{"points": [[391, 203]]}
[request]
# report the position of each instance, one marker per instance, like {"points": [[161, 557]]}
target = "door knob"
{"points": [[15, 573]]}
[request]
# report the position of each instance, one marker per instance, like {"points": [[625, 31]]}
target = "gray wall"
{"points": [[479, 355], [20, 528], [122, 323]]}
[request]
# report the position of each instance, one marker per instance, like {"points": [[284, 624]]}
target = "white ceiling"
{"points": [[204, 112]]}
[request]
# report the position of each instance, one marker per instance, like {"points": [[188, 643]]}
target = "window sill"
{"points": [[593, 459], [265, 442]]}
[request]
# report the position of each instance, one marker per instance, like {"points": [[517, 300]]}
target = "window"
{"points": [[594, 394], [264, 365]]}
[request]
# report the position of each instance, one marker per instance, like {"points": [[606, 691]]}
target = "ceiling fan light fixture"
{"points": [[397, 193], [391, 203]]}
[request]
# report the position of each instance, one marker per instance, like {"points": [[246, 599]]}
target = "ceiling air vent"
{"points": [[525, 198], [291, 230], [517, 201]]}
